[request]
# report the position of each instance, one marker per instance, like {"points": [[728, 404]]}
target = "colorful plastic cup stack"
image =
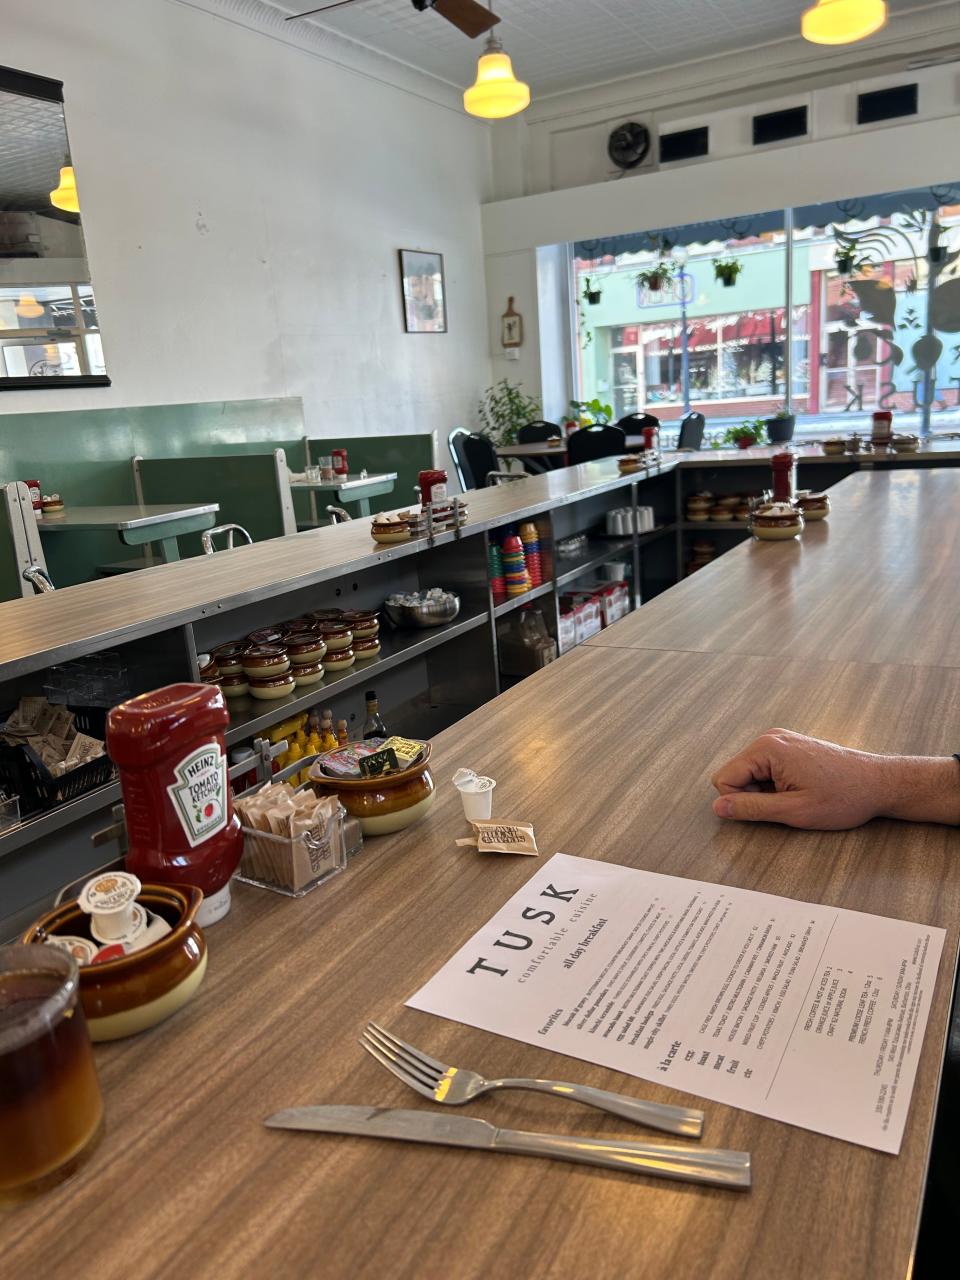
{"points": [[498, 583], [515, 566], [530, 537]]}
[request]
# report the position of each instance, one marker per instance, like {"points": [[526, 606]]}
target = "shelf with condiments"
{"points": [[249, 717]]}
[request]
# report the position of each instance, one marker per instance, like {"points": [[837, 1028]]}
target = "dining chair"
{"points": [[539, 432], [633, 423], [475, 460], [691, 431], [209, 547], [590, 443]]}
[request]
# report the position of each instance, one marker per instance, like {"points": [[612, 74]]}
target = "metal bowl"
{"points": [[429, 614]]}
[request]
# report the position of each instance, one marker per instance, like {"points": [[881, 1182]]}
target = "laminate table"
{"points": [[136, 524], [188, 1179], [358, 489]]}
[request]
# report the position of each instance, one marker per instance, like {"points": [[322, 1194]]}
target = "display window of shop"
{"points": [[698, 317]]}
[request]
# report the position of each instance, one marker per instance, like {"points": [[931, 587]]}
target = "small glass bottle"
{"points": [[373, 726], [343, 733], [328, 739]]}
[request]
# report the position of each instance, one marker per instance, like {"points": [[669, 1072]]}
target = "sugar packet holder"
{"points": [[497, 836]]}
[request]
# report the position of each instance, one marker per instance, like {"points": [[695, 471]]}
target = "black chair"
{"points": [[539, 432], [475, 460], [691, 431], [634, 423], [594, 442]]}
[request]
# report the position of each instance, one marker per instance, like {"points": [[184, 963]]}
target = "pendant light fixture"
{"points": [[65, 196], [28, 307], [842, 21], [496, 93]]}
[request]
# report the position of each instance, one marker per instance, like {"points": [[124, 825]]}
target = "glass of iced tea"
{"points": [[50, 1105]]}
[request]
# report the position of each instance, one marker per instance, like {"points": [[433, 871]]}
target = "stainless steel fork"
{"points": [[453, 1086]]}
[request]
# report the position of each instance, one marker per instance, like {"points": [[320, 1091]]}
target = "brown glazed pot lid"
{"points": [[334, 630], [265, 655], [272, 682], [233, 682], [362, 615], [359, 646], [813, 500], [303, 642], [778, 522], [235, 649], [269, 635], [338, 655]]}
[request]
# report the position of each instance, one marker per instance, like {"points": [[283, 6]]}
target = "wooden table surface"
{"points": [[608, 753], [878, 581]]}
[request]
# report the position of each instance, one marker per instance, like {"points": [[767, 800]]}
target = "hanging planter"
{"points": [[847, 260], [937, 254], [592, 296], [726, 271], [654, 278]]}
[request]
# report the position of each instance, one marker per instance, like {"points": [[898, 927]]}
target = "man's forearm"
{"points": [[920, 788]]}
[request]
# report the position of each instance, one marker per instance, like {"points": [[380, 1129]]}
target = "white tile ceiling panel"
{"points": [[33, 144], [562, 44]]}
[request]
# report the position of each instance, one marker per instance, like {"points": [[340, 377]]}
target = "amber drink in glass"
{"points": [[50, 1105]]}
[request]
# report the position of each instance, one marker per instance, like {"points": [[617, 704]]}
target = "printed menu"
{"points": [[808, 1014]]}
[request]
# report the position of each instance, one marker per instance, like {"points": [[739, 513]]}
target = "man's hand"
{"points": [[803, 782]]}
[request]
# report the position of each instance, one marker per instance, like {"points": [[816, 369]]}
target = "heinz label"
{"points": [[199, 795]]}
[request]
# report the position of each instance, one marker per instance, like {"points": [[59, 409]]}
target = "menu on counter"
{"points": [[808, 1014]]}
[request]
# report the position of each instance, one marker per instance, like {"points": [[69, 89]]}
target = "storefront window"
{"points": [[697, 317]]}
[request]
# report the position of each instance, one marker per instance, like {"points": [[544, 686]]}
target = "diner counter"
{"points": [[875, 582], [88, 617], [608, 752]]}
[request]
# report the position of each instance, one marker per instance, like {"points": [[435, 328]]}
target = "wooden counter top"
{"points": [[188, 1180], [875, 582]]}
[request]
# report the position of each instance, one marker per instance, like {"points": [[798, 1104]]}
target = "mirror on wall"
{"points": [[49, 329]]}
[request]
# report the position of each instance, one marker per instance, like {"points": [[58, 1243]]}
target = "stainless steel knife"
{"points": [[689, 1164]]}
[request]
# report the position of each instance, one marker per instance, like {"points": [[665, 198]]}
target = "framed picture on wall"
{"points": [[424, 300]]}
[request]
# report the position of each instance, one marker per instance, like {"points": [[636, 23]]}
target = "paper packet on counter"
{"points": [[494, 835]]}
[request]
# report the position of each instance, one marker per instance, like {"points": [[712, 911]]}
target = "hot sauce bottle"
{"points": [[181, 826]]}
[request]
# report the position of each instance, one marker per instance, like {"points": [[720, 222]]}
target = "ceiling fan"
{"points": [[466, 15]]}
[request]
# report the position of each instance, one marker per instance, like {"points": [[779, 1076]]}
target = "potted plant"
{"points": [[726, 271], [748, 432], [847, 260], [655, 277], [504, 409], [780, 426], [591, 412], [592, 296]]}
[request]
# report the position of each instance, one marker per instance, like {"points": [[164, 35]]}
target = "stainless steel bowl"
{"points": [[429, 614]]}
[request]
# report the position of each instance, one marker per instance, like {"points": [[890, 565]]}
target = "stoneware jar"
{"points": [[339, 659], [229, 657], [269, 688], [776, 522], [815, 506], [124, 996], [336, 636], [364, 650], [363, 623], [389, 803], [305, 648], [264, 660], [308, 673], [235, 686]]}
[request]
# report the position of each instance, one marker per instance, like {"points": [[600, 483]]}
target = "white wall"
{"points": [[243, 202]]}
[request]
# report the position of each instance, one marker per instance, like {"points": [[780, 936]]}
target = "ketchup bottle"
{"points": [[181, 826], [784, 466]]}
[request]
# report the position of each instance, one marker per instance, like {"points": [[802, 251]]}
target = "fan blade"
{"points": [[467, 16], [323, 9]]}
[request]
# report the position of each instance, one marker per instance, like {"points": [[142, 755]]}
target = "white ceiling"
{"points": [[564, 44]]}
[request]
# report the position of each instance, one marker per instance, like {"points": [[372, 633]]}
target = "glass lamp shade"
{"points": [[497, 92], [842, 21], [28, 307], [65, 196]]}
